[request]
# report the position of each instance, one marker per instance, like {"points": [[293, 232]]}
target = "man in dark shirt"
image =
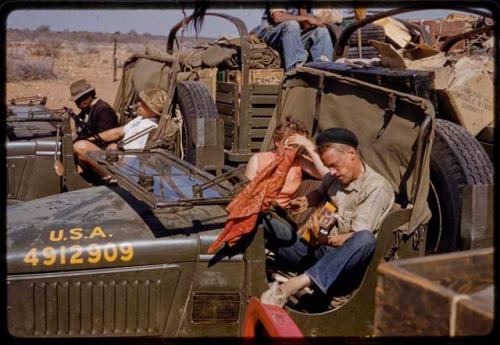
{"points": [[96, 113], [294, 31]]}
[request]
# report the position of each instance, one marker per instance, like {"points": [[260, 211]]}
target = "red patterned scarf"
{"points": [[256, 197]]}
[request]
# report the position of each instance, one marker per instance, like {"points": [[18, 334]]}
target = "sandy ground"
{"points": [[70, 65]]}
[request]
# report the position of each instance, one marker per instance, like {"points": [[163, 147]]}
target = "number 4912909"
{"points": [[76, 254]]}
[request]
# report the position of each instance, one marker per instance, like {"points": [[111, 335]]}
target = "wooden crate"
{"points": [[227, 106], [439, 295], [259, 76], [208, 76], [263, 100], [266, 76]]}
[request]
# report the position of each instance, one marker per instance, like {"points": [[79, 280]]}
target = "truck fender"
{"points": [[275, 321]]}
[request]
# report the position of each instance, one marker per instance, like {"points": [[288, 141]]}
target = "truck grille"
{"points": [[86, 306]]}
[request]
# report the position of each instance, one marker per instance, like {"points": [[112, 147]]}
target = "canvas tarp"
{"points": [[395, 130], [142, 72], [139, 73], [225, 53]]}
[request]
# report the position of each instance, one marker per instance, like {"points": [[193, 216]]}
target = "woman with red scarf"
{"points": [[287, 134], [275, 178]]}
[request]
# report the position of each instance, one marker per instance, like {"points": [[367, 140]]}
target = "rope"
{"points": [[180, 122], [453, 312]]}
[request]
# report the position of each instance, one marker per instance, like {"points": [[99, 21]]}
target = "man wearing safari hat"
{"points": [[362, 198], [96, 113], [149, 109]]}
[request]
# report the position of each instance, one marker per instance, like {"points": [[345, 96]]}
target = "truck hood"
{"points": [[103, 227]]}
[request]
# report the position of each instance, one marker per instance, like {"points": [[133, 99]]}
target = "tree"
{"points": [[43, 29]]}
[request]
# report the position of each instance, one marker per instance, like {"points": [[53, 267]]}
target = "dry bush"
{"points": [[46, 47], [87, 60], [73, 46], [83, 61], [23, 67], [87, 49]]}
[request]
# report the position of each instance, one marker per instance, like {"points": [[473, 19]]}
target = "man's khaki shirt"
{"points": [[362, 204]]}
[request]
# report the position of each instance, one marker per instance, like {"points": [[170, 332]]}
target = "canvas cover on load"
{"points": [[394, 129], [145, 71], [141, 72]]}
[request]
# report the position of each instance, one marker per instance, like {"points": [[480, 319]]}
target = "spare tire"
{"points": [[194, 101], [368, 32], [457, 159], [367, 52]]}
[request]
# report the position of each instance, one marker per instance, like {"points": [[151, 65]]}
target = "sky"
{"points": [[154, 21]]}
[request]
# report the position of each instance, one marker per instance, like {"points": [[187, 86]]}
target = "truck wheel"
{"points": [[457, 159], [194, 101]]}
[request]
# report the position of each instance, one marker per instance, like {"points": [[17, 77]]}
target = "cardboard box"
{"points": [[468, 96], [465, 91], [208, 76], [395, 30], [392, 58]]}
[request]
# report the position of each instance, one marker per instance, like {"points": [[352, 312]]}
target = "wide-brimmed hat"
{"points": [[155, 99], [79, 88]]}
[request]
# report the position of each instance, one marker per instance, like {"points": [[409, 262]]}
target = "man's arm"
{"points": [[311, 162], [251, 168], [280, 16], [314, 197], [338, 240], [113, 134]]}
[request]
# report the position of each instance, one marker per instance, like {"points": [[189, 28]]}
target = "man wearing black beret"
{"points": [[362, 197]]}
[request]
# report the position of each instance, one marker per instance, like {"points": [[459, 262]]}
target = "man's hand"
{"points": [[338, 240], [299, 204], [112, 147], [315, 21]]}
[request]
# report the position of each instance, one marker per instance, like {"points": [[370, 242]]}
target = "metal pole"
{"points": [[114, 60]]}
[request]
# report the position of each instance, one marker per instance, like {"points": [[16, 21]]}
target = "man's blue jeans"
{"points": [[288, 38], [323, 264]]}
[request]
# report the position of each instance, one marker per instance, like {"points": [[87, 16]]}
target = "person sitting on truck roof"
{"points": [[294, 31], [149, 109], [96, 113], [362, 197], [289, 132]]}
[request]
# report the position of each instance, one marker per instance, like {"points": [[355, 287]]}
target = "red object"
{"points": [[275, 320], [256, 197]]}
